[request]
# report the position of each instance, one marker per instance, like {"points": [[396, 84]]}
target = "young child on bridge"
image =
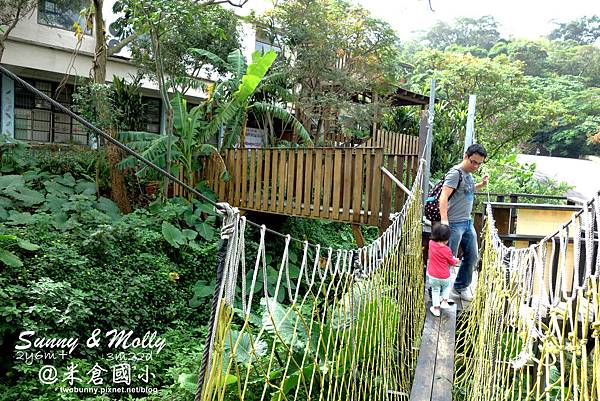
{"points": [[438, 271]]}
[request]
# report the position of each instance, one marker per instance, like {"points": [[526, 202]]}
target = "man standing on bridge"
{"points": [[456, 212]]}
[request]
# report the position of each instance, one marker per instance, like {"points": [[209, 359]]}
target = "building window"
{"points": [[36, 120], [153, 113], [263, 43], [62, 16]]}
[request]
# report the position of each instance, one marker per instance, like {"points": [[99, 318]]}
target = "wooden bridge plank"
{"points": [[423, 382], [444, 366]]}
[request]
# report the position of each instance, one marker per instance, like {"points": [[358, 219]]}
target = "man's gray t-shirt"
{"points": [[461, 203]]}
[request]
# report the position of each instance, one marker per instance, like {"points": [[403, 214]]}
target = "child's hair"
{"points": [[440, 232]]}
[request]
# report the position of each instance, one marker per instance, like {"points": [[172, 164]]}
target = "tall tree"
{"points": [[332, 51], [466, 32], [572, 131], [215, 29], [585, 30], [117, 179], [533, 54], [508, 110], [154, 19]]}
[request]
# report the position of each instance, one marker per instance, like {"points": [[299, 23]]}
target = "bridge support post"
{"points": [[358, 236]]}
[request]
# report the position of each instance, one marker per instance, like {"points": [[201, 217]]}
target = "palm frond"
{"points": [[224, 114], [151, 146]]}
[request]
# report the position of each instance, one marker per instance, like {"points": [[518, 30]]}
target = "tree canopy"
{"points": [[584, 31], [332, 52], [536, 95], [467, 32]]}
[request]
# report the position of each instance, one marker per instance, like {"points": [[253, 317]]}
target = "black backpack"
{"points": [[432, 202]]}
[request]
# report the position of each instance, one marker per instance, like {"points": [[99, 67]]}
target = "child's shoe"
{"points": [[435, 311], [445, 305]]}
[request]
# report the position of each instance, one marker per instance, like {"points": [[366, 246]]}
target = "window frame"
{"points": [[41, 10]]}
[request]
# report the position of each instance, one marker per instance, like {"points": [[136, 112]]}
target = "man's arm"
{"points": [[446, 192]]}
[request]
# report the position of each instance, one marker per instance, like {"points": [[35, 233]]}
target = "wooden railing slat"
{"points": [[347, 184], [327, 181], [309, 172], [300, 174], [291, 175], [368, 169], [376, 188], [338, 180], [318, 182], [358, 186]]}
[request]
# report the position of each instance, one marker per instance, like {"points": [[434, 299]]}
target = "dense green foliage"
{"points": [[77, 264], [533, 95], [186, 25]]}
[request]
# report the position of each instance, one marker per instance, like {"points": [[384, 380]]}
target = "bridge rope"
{"points": [[337, 325], [533, 330]]}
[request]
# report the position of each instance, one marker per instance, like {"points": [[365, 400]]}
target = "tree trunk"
{"points": [[117, 181], [118, 188]]}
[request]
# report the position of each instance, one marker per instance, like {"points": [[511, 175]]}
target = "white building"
{"points": [[43, 50]]}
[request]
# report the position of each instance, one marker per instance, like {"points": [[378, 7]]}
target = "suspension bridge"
{"points": [[343, 324]]}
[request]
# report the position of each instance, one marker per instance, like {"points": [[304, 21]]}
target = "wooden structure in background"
{"points": [[524, 224], [342, 181], [340, 184]]}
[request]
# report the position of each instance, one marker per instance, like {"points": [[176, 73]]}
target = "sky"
{"points": [[517, 18]]}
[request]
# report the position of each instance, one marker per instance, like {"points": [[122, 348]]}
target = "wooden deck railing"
{"points": [[342, 184], [393, 143]]}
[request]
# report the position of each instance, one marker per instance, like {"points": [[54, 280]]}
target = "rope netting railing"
{"points": [[338, 325], [533, 330]]}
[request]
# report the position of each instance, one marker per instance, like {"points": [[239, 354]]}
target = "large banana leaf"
{"points": [[254, 74], [285, 116], [213, 58]]}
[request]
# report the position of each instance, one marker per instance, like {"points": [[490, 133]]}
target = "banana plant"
{"points": [[234, 98], [188, 142]]}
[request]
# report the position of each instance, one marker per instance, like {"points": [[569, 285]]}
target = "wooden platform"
{"points": [[434, 374]]}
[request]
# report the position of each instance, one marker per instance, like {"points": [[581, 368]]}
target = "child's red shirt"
{"points": [[440, 257]]}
